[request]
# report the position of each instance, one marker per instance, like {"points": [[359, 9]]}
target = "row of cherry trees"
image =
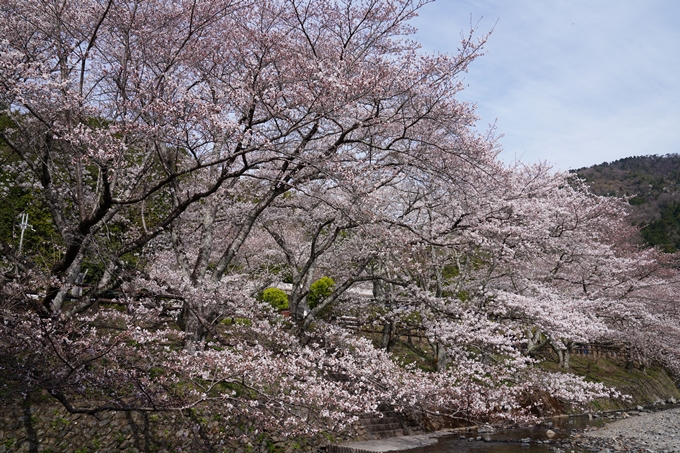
{"points": [[191, 153]]}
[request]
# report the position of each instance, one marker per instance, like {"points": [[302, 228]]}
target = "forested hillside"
{"points": [[652, 186]]}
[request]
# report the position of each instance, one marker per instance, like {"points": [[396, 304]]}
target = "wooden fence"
{"points": [[595, 350]]}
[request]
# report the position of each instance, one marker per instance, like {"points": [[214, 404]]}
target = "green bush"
{"points": [[637, 201], [275, 297], [319, 290], [237, 322]]}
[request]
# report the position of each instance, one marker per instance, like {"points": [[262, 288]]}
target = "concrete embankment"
{"points": [[391, 443]]}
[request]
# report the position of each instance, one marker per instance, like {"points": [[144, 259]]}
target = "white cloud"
{"points": [[573, 82]]}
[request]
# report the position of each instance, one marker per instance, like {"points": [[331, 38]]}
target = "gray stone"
{"points": [[395, 443], [104, 422], [486, 429]]}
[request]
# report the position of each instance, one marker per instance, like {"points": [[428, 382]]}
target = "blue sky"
{"points": [[571, 82]]}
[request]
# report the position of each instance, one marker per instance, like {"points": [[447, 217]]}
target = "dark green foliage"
{"points": [[652, 185], [275, 297], [449, 272], [41, 240], [319, 290], [665, 232]]}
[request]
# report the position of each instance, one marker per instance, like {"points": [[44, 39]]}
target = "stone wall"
{"points": [[43, 425]]}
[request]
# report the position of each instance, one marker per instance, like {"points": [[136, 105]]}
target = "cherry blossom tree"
{"points": [[156, 117], [191, 153]]}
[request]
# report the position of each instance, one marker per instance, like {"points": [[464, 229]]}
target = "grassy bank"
{"points": [[644, 386]]}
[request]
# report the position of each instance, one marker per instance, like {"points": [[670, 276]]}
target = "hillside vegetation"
{"points": [[651, 185], [643, 384]]}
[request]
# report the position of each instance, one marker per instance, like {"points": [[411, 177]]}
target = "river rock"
{"points": [[550, 433], [649, 432], [486, 429]]}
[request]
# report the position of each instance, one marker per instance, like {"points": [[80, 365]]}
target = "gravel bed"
{"points": [[639, 432]]}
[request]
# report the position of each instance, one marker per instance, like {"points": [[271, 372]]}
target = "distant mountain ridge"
{"points": [[652, 184]]}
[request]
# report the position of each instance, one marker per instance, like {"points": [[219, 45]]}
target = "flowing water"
{"points": [[510, 441]]}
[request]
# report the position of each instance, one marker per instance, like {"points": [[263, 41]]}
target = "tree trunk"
{"points": [[244, 231], [54, 299], [192, 325], [563, 353], [440, 360], [386, 340], [535, 341], [205, 250]]}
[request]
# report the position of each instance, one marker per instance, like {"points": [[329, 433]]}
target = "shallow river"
{"points": [[510, 441]]}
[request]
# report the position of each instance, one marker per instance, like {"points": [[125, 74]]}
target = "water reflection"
{"points": [[536, 440], [445, 446]]}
